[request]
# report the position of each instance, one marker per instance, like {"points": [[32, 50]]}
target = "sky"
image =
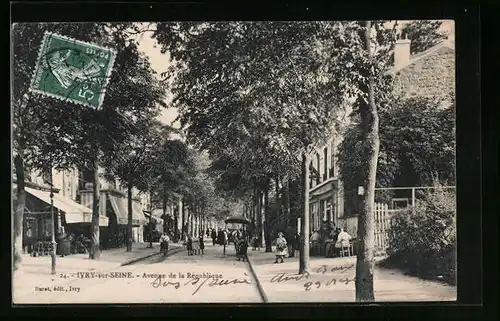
{"points": [[160, 63]]}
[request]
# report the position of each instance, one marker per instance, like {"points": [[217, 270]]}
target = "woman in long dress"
{"points": [[281, 248]]}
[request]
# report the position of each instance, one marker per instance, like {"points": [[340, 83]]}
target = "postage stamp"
{"points": [[72, 70]]}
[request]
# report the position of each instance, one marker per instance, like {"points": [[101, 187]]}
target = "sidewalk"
{"points": [[332, 280], [36, 270]]}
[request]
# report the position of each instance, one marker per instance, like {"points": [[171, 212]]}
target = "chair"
{"points": [[346, 250]]}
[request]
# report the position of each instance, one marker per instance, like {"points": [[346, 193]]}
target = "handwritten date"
{"points": [[329, 283]]}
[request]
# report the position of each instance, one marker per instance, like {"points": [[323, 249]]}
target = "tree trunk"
{"points": [[150, 220], [267, 223], [129, 221], [366, 222], [189, 221], [278, 200], [165, 201], [19, 213], [183, 221], [254, 212], [261, 218], [287, 202], [304, 233], [95, 251]]}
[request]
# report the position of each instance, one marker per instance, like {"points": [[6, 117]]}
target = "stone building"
{"points": [[427, 74]]}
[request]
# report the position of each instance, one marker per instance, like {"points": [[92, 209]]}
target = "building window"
{"points": [[86, 177], [325, 173], [318, 169], [332, 165], [311, 174]]}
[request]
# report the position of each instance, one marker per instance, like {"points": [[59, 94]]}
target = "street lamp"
{"points": [[52, 227]]}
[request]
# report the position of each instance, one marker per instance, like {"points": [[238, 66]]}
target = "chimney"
{"points": [[401, 53]]}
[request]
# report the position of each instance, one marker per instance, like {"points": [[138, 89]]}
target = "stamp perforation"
{"points": [[34, 85]]}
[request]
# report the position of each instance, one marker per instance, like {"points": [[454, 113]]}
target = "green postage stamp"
{"points": [[72, 70]]}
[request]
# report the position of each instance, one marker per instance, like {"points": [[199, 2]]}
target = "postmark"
{"points": [[72, 70]]}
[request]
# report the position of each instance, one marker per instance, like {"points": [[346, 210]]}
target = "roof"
{"points": [[422, 55]]}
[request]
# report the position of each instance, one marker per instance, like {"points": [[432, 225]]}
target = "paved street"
{"points": [[174, 279], [179, 278], [332, 280]]}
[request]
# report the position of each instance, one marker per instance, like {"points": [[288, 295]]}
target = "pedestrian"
{"points": [[241, 248], [214, 237], [64, 245], [220, 237], [281, 248], [255, 243], [189, 245], [201, 244]]}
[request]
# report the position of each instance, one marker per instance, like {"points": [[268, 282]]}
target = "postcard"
{"points": [[233, 162]]}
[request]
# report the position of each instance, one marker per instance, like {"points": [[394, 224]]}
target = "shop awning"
{"points": [[155, 218], [74, 212], [120, 207]]}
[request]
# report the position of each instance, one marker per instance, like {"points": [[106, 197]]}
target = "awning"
{"points": [[74, 212], [120, 207], [155, 218]]}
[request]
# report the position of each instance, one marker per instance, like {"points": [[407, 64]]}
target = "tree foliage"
{"points": [[53, 133], [423, 34], [417, 144]]}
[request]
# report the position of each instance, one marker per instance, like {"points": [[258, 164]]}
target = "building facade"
{"points": [[325, 188], [427, 74]]}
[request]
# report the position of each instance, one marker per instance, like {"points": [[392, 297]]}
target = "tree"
{"points": [[132, 160], [282, 98], [172, 168], [423, 34], [417, 143], [76, 135], [264, 127]]}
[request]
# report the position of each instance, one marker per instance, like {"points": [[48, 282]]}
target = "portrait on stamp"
{"points": [[72, 70]]}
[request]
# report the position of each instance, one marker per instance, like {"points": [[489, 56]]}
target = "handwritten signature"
{"points": [[324, 269], [328, 269], [198, 283]]}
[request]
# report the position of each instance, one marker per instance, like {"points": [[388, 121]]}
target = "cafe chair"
{"points": [[346, 250]]}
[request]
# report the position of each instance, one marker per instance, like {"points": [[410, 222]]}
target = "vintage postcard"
{"points": [[233, 162]]}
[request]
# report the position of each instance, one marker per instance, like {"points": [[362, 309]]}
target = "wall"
{"points": [[432, 75], [67, 182]]}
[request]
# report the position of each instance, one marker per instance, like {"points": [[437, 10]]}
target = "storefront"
{"points": [[325, 204], [114, 205], [41, 207]]}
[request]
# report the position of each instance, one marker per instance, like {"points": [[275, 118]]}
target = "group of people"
{"points": [[225, 236], [200, 245], [332, 239]]}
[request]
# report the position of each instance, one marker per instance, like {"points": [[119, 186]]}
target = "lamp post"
{"points": [[52, 227]]}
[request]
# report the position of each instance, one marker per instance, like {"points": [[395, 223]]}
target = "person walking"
{"points": [[64, 244], [241, 247], [201, 243], [189, 245], [214, 237], [281, 248]]}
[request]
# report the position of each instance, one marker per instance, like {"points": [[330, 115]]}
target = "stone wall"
{"points": [[433, 75]]}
